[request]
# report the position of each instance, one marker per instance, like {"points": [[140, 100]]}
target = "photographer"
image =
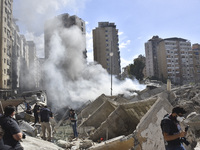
{"points": [[172, 133], [12, 134]]}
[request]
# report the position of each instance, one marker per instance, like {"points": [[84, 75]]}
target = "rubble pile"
{"points": [[118, 122]]}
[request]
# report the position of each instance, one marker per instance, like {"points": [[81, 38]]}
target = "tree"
{"points": [[136, 69]]}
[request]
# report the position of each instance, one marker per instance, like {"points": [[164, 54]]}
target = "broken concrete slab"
{"points": [[93, 106], [125, 117], [31, 143], [101, 114], [147, 134]]}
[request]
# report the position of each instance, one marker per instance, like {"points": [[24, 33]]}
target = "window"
{"points": [[4, 82], [4, 60]]}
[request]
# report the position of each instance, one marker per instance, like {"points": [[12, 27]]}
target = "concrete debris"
{"points": [[86, 144], [64, 144], [27, 128], [136, 123], [118, 122], [31, 143]]}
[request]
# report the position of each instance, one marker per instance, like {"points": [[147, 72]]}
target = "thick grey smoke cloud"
{"points": [[69, 76], [32, 14]]}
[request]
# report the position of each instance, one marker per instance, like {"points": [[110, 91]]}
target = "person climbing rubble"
{"points": [[172, 133], [45, 114], [73, 118]]}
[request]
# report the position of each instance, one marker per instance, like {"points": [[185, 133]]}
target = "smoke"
{"points": [[32, 14], [69, 77]]}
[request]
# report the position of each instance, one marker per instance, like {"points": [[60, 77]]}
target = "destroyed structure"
{"points": [[118, 122]]}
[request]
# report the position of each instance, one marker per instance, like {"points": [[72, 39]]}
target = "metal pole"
{"points": [[111, 54], [111, 77]]}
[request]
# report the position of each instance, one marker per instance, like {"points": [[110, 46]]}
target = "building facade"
{"points": [[170, 58], [106, 47], [175, 60], [59, 22], [151, 50], [6, 39], [196, 61]]}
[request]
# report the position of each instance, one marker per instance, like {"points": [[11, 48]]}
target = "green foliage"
{"points": [[136, 69]]}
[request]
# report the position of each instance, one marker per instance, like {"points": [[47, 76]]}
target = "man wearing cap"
{"points": [[73, 118], [171, 129]]}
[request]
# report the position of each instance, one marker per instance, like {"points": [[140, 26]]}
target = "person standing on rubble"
{"points": [[171, 129], [73, 117], [12, 133], [36, 111], [45, 114]]}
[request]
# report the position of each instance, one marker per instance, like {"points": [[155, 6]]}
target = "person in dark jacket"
{"points": [[73, 118], [171, 129], [36, 111], [12, 133], [2, 145], [45, 114]]}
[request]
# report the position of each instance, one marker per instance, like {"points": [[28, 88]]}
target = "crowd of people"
{"points": [[10, 133]]}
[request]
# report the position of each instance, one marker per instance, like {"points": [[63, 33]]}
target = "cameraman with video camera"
{"points": [[172, 133]]}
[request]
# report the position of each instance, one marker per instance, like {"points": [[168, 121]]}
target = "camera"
{"points": [[183, 139], [23, 135]]}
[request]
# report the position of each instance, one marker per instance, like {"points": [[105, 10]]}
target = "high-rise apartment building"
{"points": [[106, 47], [5, 46], [174, 60], [151, 48], [65, 21], [196, 60]]}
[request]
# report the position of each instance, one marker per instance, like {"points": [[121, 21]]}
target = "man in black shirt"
{"points": [[171, 129], [45, 114], [12, 133]]}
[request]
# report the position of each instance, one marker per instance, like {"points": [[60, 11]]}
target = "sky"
{"points": [[136, 20], [70, 78]]}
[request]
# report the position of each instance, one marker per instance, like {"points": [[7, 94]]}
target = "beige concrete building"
{"points": [[151, 48], [5, 45], [175, 60], [196, 61], [66, 22], [106, 47]]}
